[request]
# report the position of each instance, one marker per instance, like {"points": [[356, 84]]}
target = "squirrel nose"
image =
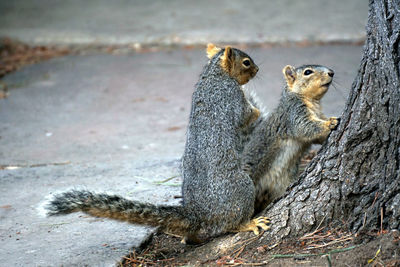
{"points": [[331, 73]]}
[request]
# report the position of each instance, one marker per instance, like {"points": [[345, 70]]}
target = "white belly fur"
{"points": [[277, 178]]}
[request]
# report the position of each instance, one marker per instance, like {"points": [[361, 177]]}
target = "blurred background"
{"points": [[170, 22], [97, 94]]}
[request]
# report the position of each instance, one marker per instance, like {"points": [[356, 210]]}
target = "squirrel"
{"points": [[218, 195], [274, 148]]}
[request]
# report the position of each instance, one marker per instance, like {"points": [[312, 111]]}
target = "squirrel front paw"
{"points": [[333, 123], [256, 114], [252, 116]]}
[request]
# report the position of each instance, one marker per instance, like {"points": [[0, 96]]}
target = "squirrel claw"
{"points": [[334, 123], [254, 225], [262, 222]]}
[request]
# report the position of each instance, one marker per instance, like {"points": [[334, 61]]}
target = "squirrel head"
{"points": [[310, 81], [235, 62]]}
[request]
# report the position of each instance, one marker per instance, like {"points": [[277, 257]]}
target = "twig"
{"points": [[365, 219], [242, 263], [170, 259], [240, 251], [165, 180], [251, 264], [18, 166], [315, 237], [349, 237], [376, 197], [315, 231], [245, 243], [328, 257], [376, 255], [381, 220], [275, 256]]}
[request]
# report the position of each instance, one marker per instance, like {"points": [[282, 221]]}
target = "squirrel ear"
{"points": [[290, 75], [212, 50], [227, 59], [228, 54]]}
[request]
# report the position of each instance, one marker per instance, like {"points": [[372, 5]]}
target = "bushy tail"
{"points": [[171, 219]]}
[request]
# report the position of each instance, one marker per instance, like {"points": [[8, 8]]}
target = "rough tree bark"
{"points": [[355, 177]]}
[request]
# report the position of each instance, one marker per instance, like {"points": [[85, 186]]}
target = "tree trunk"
{"points": [[355, 178]]}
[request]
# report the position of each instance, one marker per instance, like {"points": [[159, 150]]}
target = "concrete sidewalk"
{"points": [[117, 123], [103, 22]]}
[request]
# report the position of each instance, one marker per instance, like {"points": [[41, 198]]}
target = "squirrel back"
{"points": [[275, 147], [218, 196], [219, 106]]}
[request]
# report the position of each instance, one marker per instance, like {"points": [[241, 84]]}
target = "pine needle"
{"points": [[376, 255]]}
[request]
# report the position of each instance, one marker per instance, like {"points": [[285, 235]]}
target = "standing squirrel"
{"points": [[218, 196], [272, 154]]}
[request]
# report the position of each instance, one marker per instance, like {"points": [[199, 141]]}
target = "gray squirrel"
{"points": [[277, 141], [218, 196]]}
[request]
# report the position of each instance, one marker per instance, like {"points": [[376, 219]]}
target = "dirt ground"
{"points": [[324, 248], [14, 54]]}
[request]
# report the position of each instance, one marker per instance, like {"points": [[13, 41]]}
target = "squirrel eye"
{"points": [[308, 72], [246, 62]]}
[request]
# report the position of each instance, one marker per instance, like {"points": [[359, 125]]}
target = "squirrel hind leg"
{"points": [[254, 225]]}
